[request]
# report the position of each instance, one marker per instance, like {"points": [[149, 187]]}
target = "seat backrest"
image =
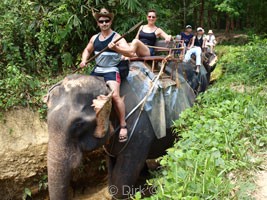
{"points": [[162, 43], [169, 46]]}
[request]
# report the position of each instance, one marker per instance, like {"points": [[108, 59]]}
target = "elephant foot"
{"points": [[123, 136]]}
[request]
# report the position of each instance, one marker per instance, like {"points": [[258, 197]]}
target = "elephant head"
{"points": [[78, 120]]}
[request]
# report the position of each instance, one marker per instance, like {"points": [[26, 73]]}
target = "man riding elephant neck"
{"points": [[107, 63]]}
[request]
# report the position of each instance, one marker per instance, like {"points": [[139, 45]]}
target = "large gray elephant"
{"points": [[75, 126]]}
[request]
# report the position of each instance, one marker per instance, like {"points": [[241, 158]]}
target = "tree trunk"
{"points": [[248, 17], [232, 24], [238, 24], [184, 1], [227, 24], [201, 13], [195, 16], [218, 21], [209, 19]]}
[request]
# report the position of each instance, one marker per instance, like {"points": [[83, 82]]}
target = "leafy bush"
{"points": [[221, 136], [246, 64], [16, 88]]}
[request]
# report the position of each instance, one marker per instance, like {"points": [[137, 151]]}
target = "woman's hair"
{"points": [[152, 10]]}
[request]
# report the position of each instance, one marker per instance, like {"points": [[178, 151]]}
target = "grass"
{"points": [[222, 135]]}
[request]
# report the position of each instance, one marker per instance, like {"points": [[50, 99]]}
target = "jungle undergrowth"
{"points": [[223, 135]]}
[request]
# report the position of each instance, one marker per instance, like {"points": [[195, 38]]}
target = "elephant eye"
{"points": [[77, 128], [79, 124]]}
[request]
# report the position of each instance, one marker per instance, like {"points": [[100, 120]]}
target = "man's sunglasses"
{"points": [[153, 17], [102, 21]]}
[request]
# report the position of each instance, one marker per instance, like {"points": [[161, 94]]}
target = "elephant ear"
{"points": [[51, 92], [102, 106]]}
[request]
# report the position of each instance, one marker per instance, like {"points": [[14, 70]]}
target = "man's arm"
{"points": [[121, 47], [204, 42], [87, 51]]}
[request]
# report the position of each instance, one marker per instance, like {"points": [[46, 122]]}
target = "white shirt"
{"points": [[210, 40]]}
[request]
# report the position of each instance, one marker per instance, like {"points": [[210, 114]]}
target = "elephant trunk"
{"points": [[58, 180], [60, 164]]}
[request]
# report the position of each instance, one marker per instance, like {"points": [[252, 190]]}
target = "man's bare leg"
{"points": [[139, 48], [120, 108]]}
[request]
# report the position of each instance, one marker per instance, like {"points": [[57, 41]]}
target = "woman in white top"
{"points": [[210, 41]]}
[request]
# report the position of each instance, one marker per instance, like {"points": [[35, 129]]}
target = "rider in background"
{"points": [[198, 43], [211, 41], [187, 36], [199, 40]]}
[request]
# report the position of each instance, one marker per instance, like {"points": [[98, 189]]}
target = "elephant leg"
{"points": [[125, 174], [111, 164], [145, 171]]}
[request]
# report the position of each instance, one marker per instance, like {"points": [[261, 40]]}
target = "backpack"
{"points": [[123, 68]]}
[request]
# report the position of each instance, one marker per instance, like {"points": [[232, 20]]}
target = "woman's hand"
{"points": [[168, 38]]}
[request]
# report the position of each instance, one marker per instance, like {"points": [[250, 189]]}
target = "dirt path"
{"points": [[261, 182], [99, 192]]}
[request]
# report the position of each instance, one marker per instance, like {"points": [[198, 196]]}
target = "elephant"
{"points": [[198, 82], [75, 126]]}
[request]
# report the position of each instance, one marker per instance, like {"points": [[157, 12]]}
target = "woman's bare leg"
{"points": [[139, 48]]}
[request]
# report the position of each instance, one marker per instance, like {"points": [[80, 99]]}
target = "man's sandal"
{"points": [[125, 137]]}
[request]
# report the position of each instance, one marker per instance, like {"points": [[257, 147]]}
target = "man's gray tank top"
{"points": [[108, 60]]}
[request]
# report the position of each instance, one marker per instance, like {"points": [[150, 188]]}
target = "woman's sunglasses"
{"points": [[102, 21], [151, 17]]}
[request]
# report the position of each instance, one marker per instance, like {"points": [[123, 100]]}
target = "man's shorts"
{"points": [[109, 76]]}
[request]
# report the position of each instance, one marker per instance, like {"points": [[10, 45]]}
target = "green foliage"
{"points": [[27, 193], [43, 183], [17, 87], [220, 136], [230, 7], [102, 166], [252, 66]]}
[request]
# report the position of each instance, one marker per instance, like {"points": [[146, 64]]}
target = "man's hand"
{"points": [[82, 64], [112, 45]]}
